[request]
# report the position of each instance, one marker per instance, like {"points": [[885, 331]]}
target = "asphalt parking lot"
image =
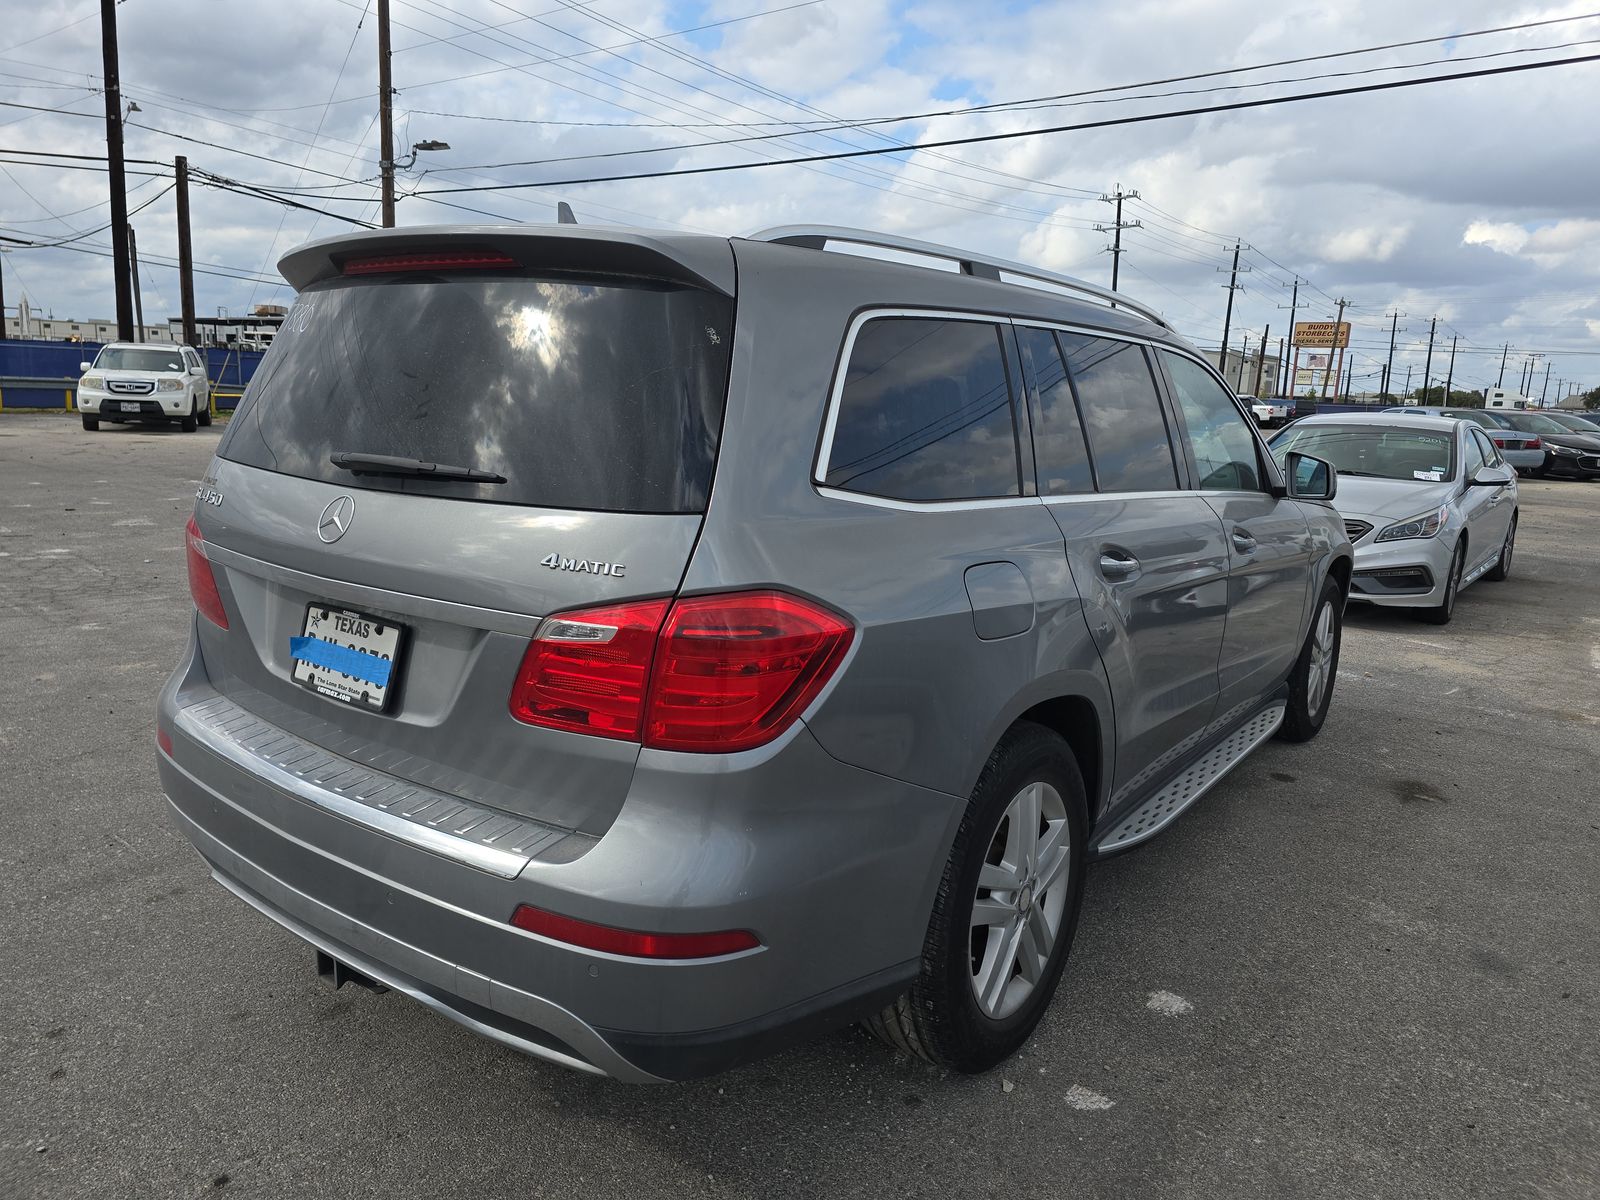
{"points": [[1366, 966]]}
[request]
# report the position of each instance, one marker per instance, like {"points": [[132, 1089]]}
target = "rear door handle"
{"points": [[1118, 566], [1243, 542]]}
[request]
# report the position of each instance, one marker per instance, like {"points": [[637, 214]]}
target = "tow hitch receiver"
{"points": [[330, 967]]}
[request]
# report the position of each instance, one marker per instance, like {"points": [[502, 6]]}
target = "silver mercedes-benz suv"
{"points": [[648, 649]]}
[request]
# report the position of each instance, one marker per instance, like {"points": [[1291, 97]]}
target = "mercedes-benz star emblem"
{"points": [[335, 519]]}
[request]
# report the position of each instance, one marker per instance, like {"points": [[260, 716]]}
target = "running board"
{"points": [[1156, 813]]}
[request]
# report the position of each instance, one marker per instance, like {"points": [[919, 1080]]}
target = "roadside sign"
{"points": [[1322, 333]]}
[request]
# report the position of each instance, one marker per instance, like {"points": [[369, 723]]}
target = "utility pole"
{"points": [[1532, 366], [1388, 369], [1261, 360], [1428, 366], [116, 179], [1450, 375], [138, 303], [1244, 357], [1116, 228], [3, 304], [1407, 392], [1545, 393], [1227, 320], [180, 165], [1294, 369], [1327, 374], [1501, 382], [385, 115]]}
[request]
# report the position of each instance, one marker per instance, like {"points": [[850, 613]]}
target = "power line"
{"points": [[977, 139]]}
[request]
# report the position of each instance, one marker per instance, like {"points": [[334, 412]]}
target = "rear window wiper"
{"points": [[388, 464]]}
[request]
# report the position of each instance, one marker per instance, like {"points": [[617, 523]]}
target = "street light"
{"points": [[425, 146]]}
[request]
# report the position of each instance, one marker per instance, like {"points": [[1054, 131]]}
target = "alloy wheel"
{"points": [[1021, 898], [1321, 659]]}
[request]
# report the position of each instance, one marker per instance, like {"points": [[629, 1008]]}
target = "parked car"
{"points": [[138, 381], [1429, 503], [1524, 451], [1576, 455], [1571, 422], [645, 703], [1269, 414]]}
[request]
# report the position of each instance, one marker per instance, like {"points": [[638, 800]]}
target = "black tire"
{"points": [[205, 413], [189, 422], [91, 423], [1305, 713], [939, 1019], [1441, 613], [1502, 568]]}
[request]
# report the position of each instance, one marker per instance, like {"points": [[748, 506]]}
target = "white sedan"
{"points": [[1428, 503]]}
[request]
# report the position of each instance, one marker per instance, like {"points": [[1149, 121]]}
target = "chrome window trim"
{"points": [[1170, 494], [833, 493], [1087, 330], [819, 466]]}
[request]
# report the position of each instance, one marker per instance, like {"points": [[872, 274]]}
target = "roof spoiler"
{"points": [[697, 261]]}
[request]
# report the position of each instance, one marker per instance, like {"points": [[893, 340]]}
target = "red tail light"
{"points": [[1535, 444], [586, 672], [631, 942], [461, 260], [734, 671], [706, 673], [202, 583], [164, 740]]}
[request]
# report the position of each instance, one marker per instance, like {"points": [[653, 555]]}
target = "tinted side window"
{"points": [[1224, 448], [1059, 451], [925, 413], [1475, 457], [1121, 414], [1491, 453]]}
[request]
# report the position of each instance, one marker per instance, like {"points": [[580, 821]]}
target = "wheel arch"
{"points": [[1076, 720]]}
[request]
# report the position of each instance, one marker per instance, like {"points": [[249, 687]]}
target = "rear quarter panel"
{"points": [[923, 698]]}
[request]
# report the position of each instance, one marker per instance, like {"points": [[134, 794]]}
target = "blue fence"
{"points": [[36, 374]]}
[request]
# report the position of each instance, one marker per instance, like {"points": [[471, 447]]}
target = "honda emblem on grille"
{"points": [[335, 519]]}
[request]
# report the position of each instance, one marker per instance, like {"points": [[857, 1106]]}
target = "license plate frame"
{"points": [[130, 406], [368, 634]]}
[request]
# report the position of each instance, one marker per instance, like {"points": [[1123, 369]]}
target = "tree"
{"points": [[1591, 399], [1457, 399]]}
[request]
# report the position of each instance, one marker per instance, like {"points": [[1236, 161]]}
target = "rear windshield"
{"points": [[603, 396], [132, 358]]}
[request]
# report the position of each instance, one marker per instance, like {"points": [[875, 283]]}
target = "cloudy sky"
{"points": [[1477, 202]]}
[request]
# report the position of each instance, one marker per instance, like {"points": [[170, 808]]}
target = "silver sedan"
{"points": [[1428, 502]]}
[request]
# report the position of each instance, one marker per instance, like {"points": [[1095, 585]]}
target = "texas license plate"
{"points": [[131, 406], [352, 657]]}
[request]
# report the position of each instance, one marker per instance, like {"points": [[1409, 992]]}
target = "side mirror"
{"points": [[1310, 478], [84, 367], [1488, 477]]}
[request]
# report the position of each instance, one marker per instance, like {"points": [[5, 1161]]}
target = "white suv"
{"points": [[130, 381]]}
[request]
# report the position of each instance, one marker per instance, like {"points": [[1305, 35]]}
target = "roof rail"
{"points": [[817, 237]]}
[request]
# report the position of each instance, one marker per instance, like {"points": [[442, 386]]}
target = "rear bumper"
{"points": [[832, 867], [1523, 460]]}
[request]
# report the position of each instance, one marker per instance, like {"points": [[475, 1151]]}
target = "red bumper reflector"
{"points": [[164, 740], [461, 260], [202, 583], [630, 942]]}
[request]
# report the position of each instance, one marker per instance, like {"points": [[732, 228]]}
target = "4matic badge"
{"points": [[560, 562]]}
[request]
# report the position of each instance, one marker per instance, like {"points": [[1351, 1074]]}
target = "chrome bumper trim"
{"points": [[479, 837]]}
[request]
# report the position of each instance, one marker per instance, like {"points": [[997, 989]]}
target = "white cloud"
{"points": [[1473, 201]]}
